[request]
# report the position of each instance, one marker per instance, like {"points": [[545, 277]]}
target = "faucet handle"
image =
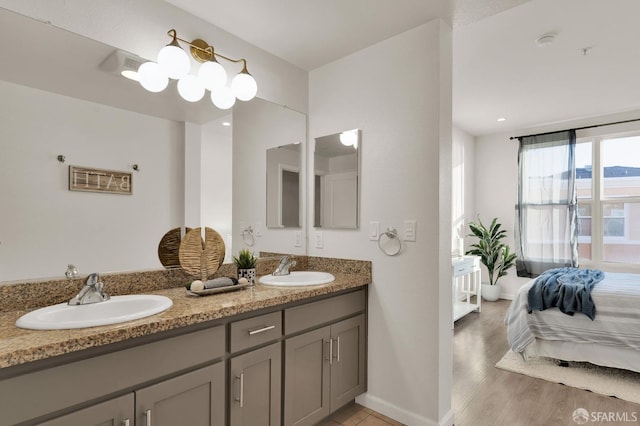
{"points": [[92, 279]]}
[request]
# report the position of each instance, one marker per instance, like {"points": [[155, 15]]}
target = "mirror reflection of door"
{"points": [[283, 186], [336, 176], [290, 195]]}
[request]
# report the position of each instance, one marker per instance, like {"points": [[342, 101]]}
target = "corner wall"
{"points": [[405, 116]]}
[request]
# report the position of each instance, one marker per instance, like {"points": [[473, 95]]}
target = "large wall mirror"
{"points": [[336, 160], [283, 186], [98, 119]]}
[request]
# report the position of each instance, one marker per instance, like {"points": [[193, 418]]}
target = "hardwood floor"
{"points": [[356, 414], [485, 395]]}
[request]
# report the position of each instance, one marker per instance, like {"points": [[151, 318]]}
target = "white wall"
{"points": [[496, 178], [216, 180], [405, 116], [463, 188], [45, 226]]}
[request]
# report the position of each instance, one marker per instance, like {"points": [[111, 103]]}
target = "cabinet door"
{"points": [[306, 378], [255, 386], [347, 366], [194, 399], [114, 412]]}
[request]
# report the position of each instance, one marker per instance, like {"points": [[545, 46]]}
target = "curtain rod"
{"points": [[577, 128]]}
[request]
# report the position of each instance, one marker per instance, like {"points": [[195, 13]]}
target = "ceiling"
{"points": [[498, 70]]}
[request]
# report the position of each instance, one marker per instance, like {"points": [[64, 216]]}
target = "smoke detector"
{"points": [[546, 39], [123, 63]]}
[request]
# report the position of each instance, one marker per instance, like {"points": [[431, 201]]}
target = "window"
{"points": [[608, 189]]}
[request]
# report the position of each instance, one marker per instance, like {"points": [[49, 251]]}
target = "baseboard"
{"points": [[399, 414], [507, 296]]}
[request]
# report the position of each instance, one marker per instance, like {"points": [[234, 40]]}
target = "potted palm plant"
{"points": [[246, 264], [495, 255]]}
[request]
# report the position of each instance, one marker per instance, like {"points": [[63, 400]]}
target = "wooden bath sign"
{"points": [[99, 180]]}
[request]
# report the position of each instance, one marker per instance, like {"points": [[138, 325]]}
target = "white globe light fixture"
{"points": [[212, 75], [190, 88], [244, 86], [173, 60], [223, 97], [174, 63], [152, 78]]}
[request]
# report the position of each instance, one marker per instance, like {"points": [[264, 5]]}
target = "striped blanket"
{"points": [[617, 298]]}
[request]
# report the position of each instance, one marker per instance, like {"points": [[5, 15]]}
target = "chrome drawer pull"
{"points": [[261, 330], [147, 415], [125, 422], [338, 357]]}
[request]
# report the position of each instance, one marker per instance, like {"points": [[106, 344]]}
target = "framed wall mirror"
{"points": [[336, 174], [283, 186]]}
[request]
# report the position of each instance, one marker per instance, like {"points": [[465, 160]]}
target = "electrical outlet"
{"points": [[257, 231], [374, 231], [319, 240], [409, 230], [298, 238]]}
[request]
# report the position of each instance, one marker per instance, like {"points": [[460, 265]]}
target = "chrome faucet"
{"points": [[283, 267], [91, 292]]}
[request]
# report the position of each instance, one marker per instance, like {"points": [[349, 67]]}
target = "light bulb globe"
{"points": [[244, 86], [212, 75], [152, 78], [349, 138], [190, 88], [223, 97], [174, 61]]}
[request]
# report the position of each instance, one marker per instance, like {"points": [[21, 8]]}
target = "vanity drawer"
{"points": [[255, 331], [317, 313]]}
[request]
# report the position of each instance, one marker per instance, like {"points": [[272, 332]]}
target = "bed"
{"points": [[612, 339]]}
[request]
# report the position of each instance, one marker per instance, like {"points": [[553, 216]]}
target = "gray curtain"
{"points": [[547, 209]]}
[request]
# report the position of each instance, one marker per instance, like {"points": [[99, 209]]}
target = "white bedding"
{"points": [[616, 324]]}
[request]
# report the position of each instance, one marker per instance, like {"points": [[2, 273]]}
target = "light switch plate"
{"points": [[374, 231], [319, 240], [409, 230]]}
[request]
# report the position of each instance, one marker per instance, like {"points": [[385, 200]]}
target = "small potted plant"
{"points": [[246, 265], [494, 254]]}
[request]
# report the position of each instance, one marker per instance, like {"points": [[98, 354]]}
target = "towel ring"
{"points": [[248, 231], [391, 234]]}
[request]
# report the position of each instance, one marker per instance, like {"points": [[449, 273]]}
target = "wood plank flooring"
{"points": [[485, 395]]}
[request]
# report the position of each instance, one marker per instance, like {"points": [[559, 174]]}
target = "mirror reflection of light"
{"points": [[349, 138], [130, 74]]}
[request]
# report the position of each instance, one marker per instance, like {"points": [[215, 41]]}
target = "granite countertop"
{"points": [[19, 346]]}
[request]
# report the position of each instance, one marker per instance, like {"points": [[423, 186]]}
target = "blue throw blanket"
{"points": [[568, 289]]}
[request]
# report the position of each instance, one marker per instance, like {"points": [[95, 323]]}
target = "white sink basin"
{"points": [[297, 278], [115, 310]]}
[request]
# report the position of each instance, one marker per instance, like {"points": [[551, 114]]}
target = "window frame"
{"points": [[598, 200]]}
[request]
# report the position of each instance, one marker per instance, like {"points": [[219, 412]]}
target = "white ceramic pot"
{"points": [[490, 293]]}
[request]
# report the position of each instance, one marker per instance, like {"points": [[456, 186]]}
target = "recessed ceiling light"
{"points": [[226, 124], [501, 119]]}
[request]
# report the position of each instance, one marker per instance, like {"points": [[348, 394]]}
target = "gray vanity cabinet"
{"points": [[348, 364], [114, 412], [307, 375], [324, 367], [194, 399], [255, 387]]}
